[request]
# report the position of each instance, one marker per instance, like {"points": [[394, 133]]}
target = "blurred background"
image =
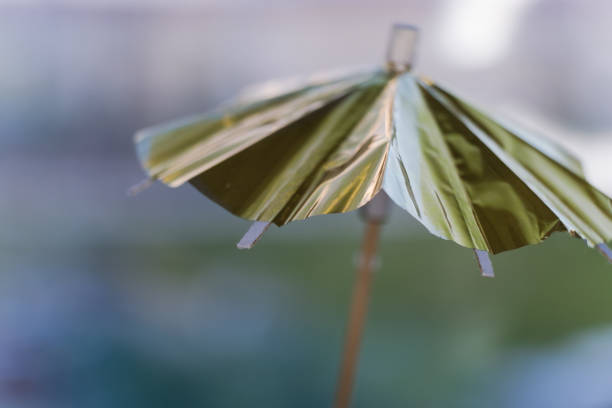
{"points": [[109, 301]]}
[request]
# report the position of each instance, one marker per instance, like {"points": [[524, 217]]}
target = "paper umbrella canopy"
{"points": [[327, 144]]}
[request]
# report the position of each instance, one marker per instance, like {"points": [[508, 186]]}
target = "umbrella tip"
{"points": [[140, 187], [484, 263], [605, 251], [255, 231], [402, 44]]}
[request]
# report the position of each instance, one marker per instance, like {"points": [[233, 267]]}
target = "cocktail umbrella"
{"points": [[332, 144]]}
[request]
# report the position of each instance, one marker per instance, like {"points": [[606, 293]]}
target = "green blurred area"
{"points": [[189, 322]]}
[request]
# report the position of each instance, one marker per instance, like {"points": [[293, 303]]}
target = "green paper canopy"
{"points": [[330, 145]]}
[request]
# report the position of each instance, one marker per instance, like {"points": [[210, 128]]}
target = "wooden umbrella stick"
{"points": [[400, 56], [358, 312], [374, 214]]}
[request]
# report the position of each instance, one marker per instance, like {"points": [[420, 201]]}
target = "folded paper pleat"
{"points": [[331, 145]]}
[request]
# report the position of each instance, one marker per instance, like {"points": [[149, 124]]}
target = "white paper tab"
{"points": [[605, 251], [484, 263], [255, 232]]}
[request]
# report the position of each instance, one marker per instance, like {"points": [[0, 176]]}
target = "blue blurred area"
{"points": [[107, 301]]}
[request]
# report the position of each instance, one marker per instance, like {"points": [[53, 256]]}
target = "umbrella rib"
{"points": [[141, 186], [253, 234], [605, 251], [484, 263]]}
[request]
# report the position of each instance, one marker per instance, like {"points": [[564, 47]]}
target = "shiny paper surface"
{"points": [[330, 146]]}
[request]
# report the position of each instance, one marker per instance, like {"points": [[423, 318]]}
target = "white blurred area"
{"points": [[83, 75], [476, 34]]}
